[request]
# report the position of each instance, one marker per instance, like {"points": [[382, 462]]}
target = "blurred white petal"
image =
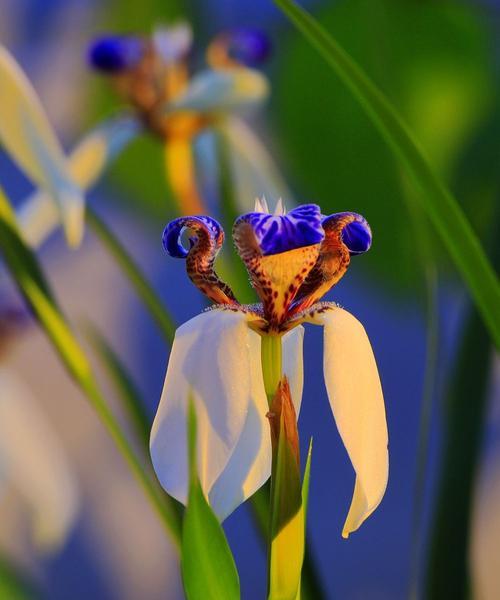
{"points": [[29, 138], [357, 403], [254, 171], [221, 91], [38, 216], [215, 358], [173, 43], [34, 465], [250, 464]]}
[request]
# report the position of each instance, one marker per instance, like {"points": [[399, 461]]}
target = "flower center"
{"points": [[279, 251]]}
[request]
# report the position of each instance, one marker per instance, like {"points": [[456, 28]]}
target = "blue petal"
{"points": [[279, 233], [113, 54], [173, 232], [250, 47], [356, 234]]}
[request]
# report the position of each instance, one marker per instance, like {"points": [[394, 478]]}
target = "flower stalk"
{"points": [[287, 529], [271, 356]]}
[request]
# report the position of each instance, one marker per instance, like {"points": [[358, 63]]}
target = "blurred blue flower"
{"points": [[152, 74]]}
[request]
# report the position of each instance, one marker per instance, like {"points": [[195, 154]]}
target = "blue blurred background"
{"points": [[439, 64]]}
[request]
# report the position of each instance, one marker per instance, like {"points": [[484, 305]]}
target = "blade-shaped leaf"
{"points": [[306, 479], [302, 592], [208, 569], [443, 210], [25, 270]]}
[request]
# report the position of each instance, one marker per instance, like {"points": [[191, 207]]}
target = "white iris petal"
{"points": [[219, 91], [355, 394], [28, 136], [293, 364], [34, 465], [250, 464], [213, 359], [38, 216]]}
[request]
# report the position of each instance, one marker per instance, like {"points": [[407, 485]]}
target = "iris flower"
{"points": [[166, 100], [293, 260], [177, 105]]}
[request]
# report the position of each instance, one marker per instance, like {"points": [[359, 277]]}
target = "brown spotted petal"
{"points": [[346, 234], [279, 251], [204, 247]]}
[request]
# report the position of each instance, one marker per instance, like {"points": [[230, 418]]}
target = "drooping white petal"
{"points": [[33, 463], [254, 171], [27, 135], [39, 216], [221, 91], [355, 394], [250, 464], [213, 359]]}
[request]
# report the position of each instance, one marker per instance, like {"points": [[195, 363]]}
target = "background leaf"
{"points": [[433, 61], [440, 206], [24, 269]]}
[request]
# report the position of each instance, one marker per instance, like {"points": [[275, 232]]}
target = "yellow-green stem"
{"points": [[271, 364], [271, 358]]}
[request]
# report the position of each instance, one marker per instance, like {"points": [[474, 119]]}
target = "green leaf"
{"points": [[438, 203], [14, 585], [303, 591], [435, 66], [208, 568], [25, 270], [307, 477]]}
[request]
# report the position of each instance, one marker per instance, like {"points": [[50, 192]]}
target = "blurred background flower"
{"points": [[438, 63]]}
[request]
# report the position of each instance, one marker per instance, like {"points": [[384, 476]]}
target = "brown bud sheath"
{"points": [[283, 411]]}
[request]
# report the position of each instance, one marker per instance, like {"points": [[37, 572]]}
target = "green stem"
{"points": [[271, 364], [271, 357], [134, 275]]}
